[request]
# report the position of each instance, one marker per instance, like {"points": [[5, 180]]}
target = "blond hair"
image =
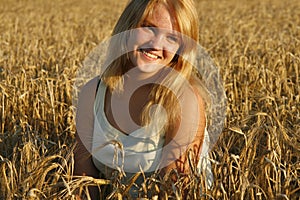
{"points": [[133, 16]]}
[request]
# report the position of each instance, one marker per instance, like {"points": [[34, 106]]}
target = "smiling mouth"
{"points": [[149, 54]]}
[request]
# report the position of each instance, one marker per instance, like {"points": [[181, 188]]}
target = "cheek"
{"points": [[171, 52], [133, 40], [142, 38], [138, 37], [172, 49], [130, 42]]}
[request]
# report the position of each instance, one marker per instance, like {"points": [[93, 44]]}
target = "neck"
{"points": [[137, 76]]}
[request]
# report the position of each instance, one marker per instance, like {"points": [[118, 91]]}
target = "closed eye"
{"points": [[148, 27], [173, 38]]}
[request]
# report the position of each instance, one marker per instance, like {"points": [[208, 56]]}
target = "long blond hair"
{"points": [[187, 22]]}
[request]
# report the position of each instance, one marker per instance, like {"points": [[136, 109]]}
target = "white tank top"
{"points": [[139, 150]]}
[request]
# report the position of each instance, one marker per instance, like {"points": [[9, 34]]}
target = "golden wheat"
{"points": [[256, 45]]}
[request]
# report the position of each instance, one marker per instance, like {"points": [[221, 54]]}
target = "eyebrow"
{"points": [[149, 24]]}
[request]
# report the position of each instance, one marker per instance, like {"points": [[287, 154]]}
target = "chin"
{"points": [[149, 68]]}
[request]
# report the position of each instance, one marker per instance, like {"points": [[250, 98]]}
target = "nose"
{"points": [[156, 42], [161, 42]]}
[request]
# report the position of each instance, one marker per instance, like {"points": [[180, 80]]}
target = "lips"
{"points": [[149, 53]]}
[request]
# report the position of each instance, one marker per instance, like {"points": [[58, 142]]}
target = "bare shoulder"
{"points": [[192, 98], [89, 89], [86, 100], [194, 106]]}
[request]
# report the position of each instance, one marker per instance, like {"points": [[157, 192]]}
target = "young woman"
{"points": [[147, 109]]}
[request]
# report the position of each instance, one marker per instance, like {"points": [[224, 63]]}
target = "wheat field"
{"points": [[255, 44]]}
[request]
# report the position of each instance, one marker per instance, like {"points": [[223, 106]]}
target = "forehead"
{"points": [[162, 17]]}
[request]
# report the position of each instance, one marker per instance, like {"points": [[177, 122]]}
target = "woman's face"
{"points": [[153, 45]]}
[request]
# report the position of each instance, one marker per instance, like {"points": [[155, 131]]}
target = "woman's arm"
{"points": [[84, 134], [187, 134]]}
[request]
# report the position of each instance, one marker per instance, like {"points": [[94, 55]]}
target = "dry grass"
{"points": [[256, 44]]}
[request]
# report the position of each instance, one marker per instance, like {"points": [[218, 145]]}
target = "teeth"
{"points": [[150, 55]]}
